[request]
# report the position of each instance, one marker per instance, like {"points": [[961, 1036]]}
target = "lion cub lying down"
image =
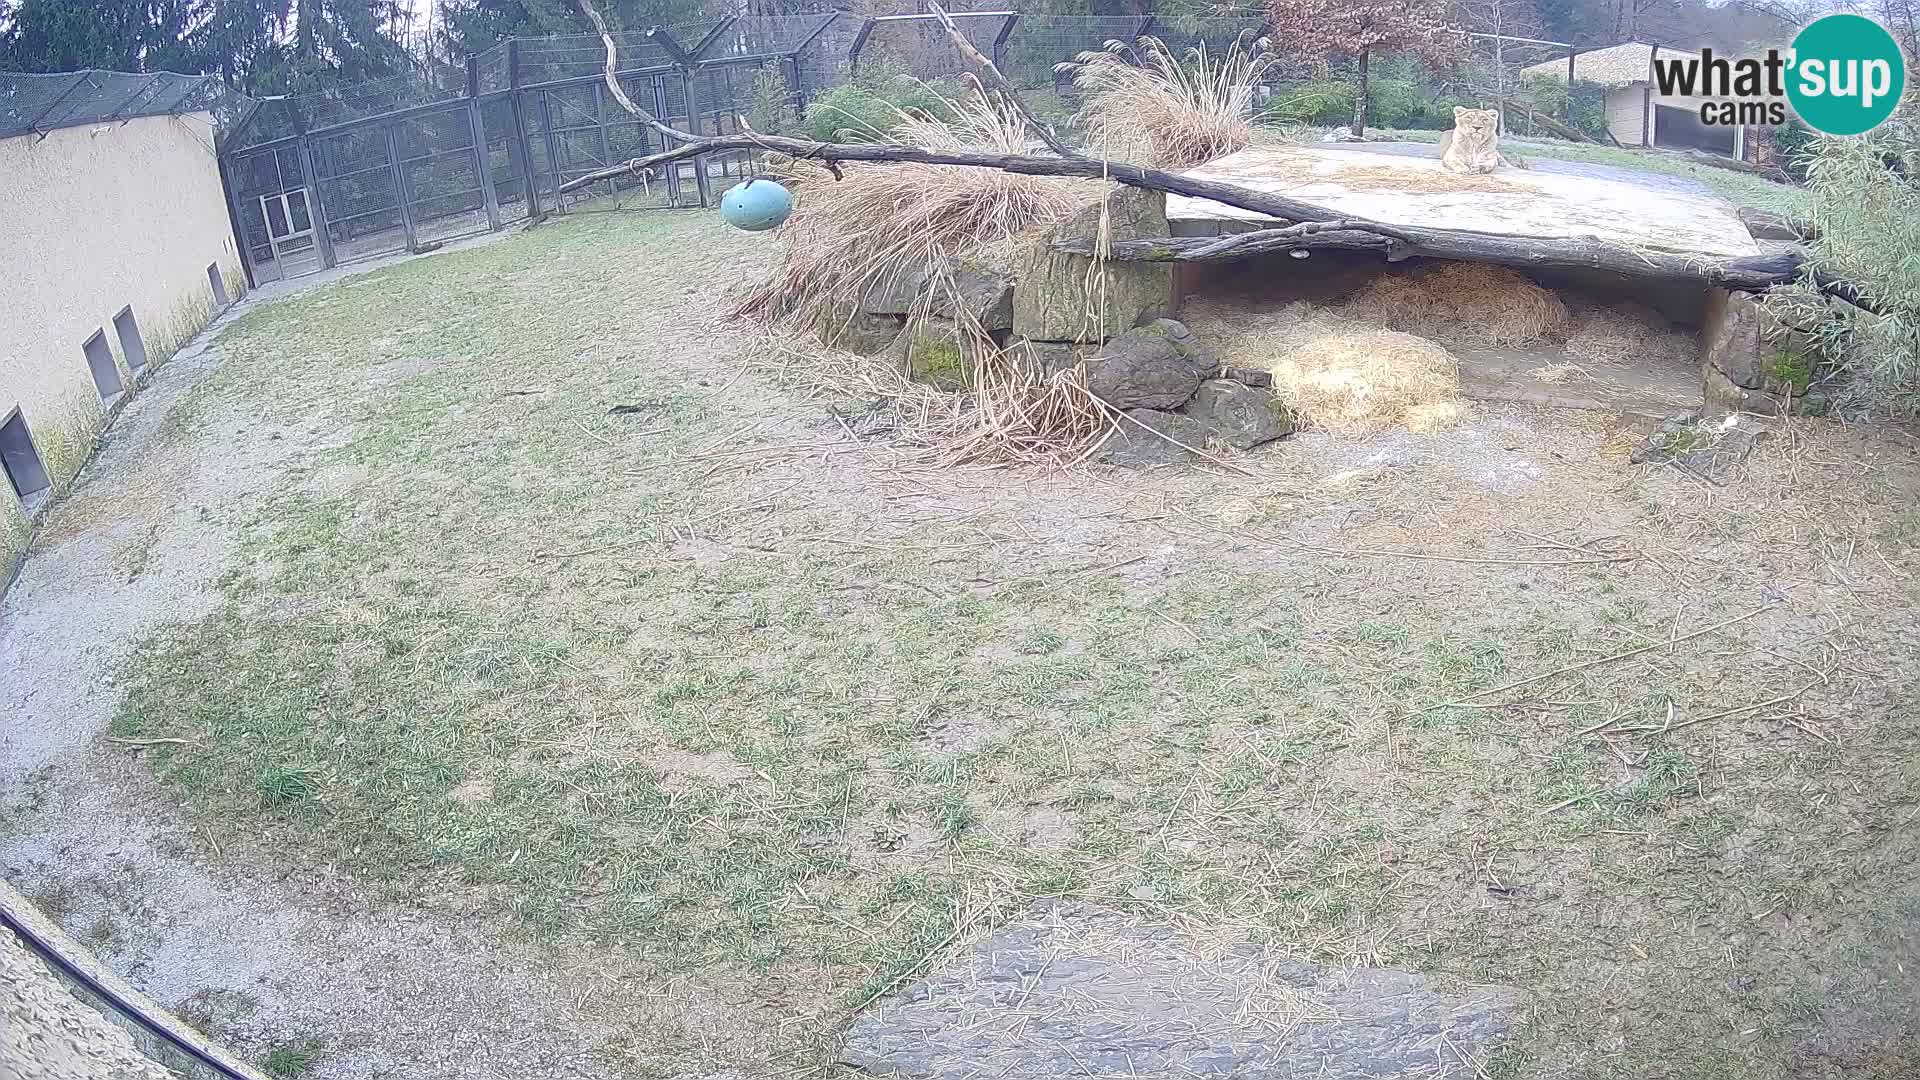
{"points": [[1473, 144]]}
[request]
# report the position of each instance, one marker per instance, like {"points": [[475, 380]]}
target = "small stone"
{"points": [[1253, 377], [1151, 439], [1764, 226], [1238, 415]]}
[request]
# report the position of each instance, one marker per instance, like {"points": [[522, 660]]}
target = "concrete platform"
{"points": [[1648, 390], [1403, 183]]}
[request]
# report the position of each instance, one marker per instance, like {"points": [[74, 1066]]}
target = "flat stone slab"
{"points": [[1410, 188], [1084, 991]]}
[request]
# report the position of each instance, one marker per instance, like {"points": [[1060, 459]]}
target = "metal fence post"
{"points": [[660, 110], [1146, 24], [482, 159], [310, 175], [859, 43], [600, 125], [232, 186], [700, 182], [1570, 53], [1000, 41], [400, 186], [523, 149], [553, 149]]}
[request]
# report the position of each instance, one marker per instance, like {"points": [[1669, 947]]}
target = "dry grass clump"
{"points": [[1143, 103], [1362, 381], [1627, 332], [1338, 373], [1010, 415], [848, 235], [1464, 304]]}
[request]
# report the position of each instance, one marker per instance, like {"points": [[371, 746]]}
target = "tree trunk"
{"points": [[1360, 99], [1522, 252]]}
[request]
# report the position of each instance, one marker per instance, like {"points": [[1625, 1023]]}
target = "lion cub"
{"points": [[1473, 144]]}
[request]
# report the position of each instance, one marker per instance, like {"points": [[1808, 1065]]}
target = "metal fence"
{"points": [[37, 104], [401, 164]]}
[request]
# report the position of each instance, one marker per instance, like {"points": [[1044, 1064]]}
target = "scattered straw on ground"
{"points": [[1627, 332], [1336, 373], [1007, 416], [1464, 304], [1559, 373], [1389, 178]]}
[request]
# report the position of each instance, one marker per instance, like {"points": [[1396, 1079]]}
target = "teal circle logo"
{"points": [[1846, 75]]}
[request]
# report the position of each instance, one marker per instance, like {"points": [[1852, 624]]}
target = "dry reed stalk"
{"points": [[877, 222], [1165, 111]]}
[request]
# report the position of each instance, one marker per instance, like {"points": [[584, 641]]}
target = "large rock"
{"points": [[1733, 336], [1156, 366], [1762, 225], [1051, 356], [1238, 415], [1052, 301], [1155, 438], [979, 289], [1082, 991], [866, 333]]}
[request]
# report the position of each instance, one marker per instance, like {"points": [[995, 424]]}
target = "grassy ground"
{"points": [[1739, 188], [773, 717]]}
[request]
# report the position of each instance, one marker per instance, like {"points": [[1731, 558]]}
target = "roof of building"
{"points": [[42, 103], [1615, 65]]}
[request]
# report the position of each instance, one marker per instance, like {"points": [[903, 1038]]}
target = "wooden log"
{"points": [[1522, 252], [1571, 134]]}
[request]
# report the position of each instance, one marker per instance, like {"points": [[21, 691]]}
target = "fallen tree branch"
{"points": [[1329, 228], [1407, 241], [613, 80]]}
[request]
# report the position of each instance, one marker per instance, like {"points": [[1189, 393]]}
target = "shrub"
{"points": [[1170, 112], [1865, 215], [1326, 102], [876, 104]]}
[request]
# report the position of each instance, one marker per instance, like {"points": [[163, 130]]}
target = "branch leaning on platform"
{"points": [[995, 79], [613, 80], [1308, 225]]}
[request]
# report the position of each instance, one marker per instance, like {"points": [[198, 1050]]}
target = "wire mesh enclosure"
{"points": [[37, 104], [400, 164]]}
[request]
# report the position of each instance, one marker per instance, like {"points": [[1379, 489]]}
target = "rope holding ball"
{"points": [[756, 205]]}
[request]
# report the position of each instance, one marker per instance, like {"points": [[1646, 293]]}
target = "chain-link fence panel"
{"points": [[276, 208], [43, 103]]}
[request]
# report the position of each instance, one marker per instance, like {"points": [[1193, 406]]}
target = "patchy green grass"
{"points": [[294, 1058], [767, 720]]}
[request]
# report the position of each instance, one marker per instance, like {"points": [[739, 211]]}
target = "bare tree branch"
{"points": [[998, 81], [613, 80]]}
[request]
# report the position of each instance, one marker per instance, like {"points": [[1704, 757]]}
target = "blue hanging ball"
{"points": [[756, 206]]}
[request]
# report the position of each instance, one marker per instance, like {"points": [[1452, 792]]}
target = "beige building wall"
{"points": [[1626, 108], [94, 219]]}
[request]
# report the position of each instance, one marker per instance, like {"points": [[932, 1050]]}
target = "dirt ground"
{"points": [[472, 668]]}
